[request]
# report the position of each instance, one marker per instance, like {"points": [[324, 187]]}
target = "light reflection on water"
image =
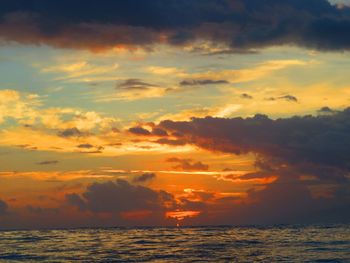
{"points": [[193, 244]]}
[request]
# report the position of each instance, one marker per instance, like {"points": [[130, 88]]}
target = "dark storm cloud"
{"points": [[3, 208], [289, 201], [144, 177], [188, 164], [239, 24], [199, 82], [308, 143], [119, 196]]}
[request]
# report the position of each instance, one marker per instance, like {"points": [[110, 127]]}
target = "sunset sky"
{"points": [[166, 112]]}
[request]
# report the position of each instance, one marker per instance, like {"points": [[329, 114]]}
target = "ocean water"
{"points": [[188, 244]]}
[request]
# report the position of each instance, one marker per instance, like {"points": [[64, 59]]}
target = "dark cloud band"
{"points": [[239, 24], [309, 143]]}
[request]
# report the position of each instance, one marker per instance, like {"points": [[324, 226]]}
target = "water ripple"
{"points": [[193, 244]]}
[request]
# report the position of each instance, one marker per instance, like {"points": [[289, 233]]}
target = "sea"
{"points": [[287, 243]]}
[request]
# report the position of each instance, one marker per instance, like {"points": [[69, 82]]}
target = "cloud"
{"points": [[286, 200], [259, 71], [48, 162], [34, 127], [139, 131], [135, 84], [76, 200], [306, 156], [326, 110], [164, 70], [27, 110], [134, 89], [85, 146], [199, 194], [89, 148], [246, 96], [174, 142], [18, 106], [238, 25], [307, 144], [79, 70], [3, 208], [120, 196], [198, 82], [289, 201], [216, 111], [289, 98], [159, 132], [188, 164], [144, 177], [70, 132]]}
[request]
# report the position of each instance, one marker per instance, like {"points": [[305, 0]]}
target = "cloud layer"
{"points": [[239, 25], [319, 140], [309, 154], [119, 196]]}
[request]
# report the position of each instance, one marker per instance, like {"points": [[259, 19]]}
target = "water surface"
{"points": [[190, 244]]}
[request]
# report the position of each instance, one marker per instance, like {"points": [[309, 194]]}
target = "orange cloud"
{"points": [[181, 215]]}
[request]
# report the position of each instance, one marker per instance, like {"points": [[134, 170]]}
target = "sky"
{"points": [[176, 112]]}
